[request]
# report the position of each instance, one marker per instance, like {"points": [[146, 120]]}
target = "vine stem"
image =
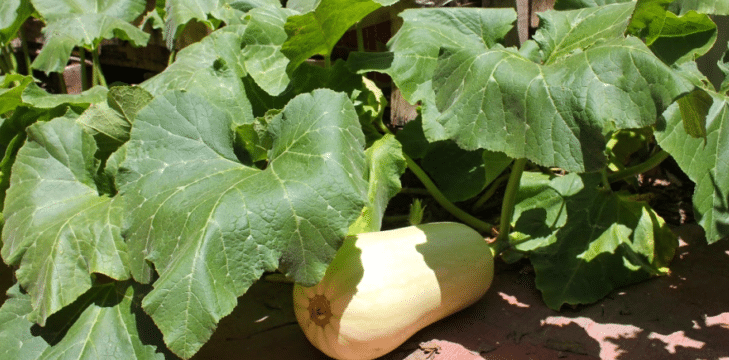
{"points": [[507, 207], [26, 52], [97, 74], [360, 38], [467, 218], [652, 162], [489, 192], [82, 59]]}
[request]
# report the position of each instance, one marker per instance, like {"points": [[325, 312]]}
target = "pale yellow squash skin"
{"points": [[382, 287]]}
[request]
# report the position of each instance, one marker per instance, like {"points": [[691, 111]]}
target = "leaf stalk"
{"points": [[652, 162], [467, 218], [507, 207]]}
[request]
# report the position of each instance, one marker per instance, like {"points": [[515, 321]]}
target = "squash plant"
{"points": [[135, 216]]}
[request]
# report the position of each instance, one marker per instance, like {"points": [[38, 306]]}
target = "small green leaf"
{"points": [[104, 323], [16, 339], [694, 110], [11, 91], [579, 4], [704, 161], [13, 14], [316, 32], [385, 165]]}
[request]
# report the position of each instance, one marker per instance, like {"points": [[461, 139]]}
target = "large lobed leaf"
{"points": [[592, 81], [84, 23], [210, 226], [103, 324], [705, 161], [58, 230], [584, 241]]}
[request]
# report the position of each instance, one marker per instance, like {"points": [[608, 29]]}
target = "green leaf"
{"points": [[674, 39], [316, 32], [11, 91], [211, 226], [723, 65], [16, 339], [302, 6], [385, 165], [103, 323], [34, 96], [13, 14], [714, 7], [565, 33], [694, 109], [461, 174], [111, 122], [425, 31], [53, 10], [555, 114], [263, 37], [649, 19], [84, 23], [58, 230], [211, 68], [584, 242], [704, 161], [180, 12], [579, 4]]}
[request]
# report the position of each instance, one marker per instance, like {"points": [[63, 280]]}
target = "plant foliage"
{"points": [[135, 216]]}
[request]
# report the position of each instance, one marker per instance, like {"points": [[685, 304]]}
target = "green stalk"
{"points": [[652, 162], [6, 64], [443, 201], [171, 59], [82, 57], [605, 180], [327, 61], [414, 191], [61, 83], [26, 52], [489, 192], [98, 75], [507, 207], [360, 38]]}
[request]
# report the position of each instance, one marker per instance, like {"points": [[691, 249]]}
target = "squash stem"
{"points": [[82, 59], [467, 218], [489, 192], [98, 75], [360, 38], [507, 207], [652, 162]]}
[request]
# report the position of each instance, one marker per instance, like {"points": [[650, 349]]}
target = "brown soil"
{"points": [[681, 316]]}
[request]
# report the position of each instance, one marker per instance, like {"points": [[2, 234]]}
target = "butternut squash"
{"points": [[382, 287]]}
